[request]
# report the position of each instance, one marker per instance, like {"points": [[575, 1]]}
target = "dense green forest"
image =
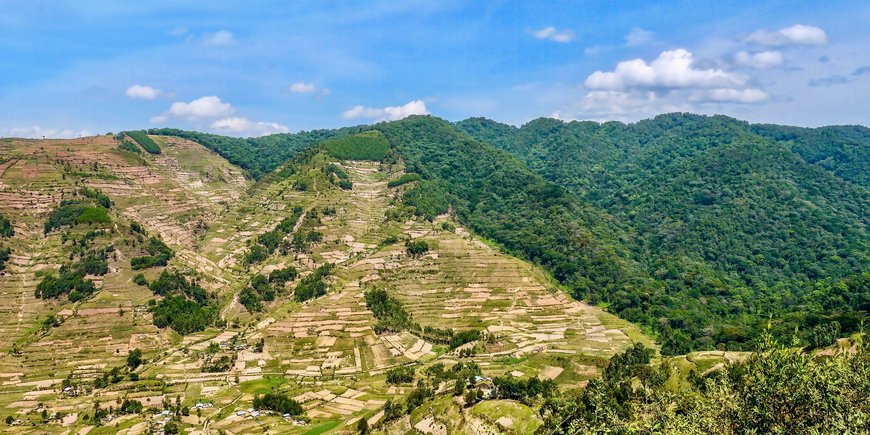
{"points": [[733, 226], [698, 228]]}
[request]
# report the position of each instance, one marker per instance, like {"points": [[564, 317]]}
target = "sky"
{"points": [[70, 68]]}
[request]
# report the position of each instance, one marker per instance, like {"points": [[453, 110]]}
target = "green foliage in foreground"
{"points": [[144, 141], [368, 145], [776, 390], [404, 179]]}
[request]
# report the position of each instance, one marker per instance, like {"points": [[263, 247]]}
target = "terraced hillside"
{"points": [[232, 237]]}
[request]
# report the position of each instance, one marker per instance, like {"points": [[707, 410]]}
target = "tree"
{"points": [[134, 359], [362, 426]]}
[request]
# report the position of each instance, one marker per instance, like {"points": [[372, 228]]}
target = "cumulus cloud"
{"points": [[244, 126], [307, 88], [143, 92], [673, 69], [219, 39], [390, 113], [38, 132], [638, 36], [760, 60], [550, 33], [201, 108], [798, 34]]}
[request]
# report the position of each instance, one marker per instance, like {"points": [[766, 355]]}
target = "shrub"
{"points": [[6, 229], [416, 248]]}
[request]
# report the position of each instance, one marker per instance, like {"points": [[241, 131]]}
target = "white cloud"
{"points": [[390, 113], [38, 132], [307, 88], [743, 96], [552, 34], [201, 108], [220, 38], [798, 34], [673, 69], [144, 92], [638, 36], [177, 31], [761, 60], [244, 126]]}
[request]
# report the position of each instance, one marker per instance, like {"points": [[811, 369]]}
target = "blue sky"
{"points": [[69, 68]]}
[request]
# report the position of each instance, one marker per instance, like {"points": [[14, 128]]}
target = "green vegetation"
{"points": [[776, 390], [416, 248], [391, 314], [368, 145], [269, 241], [186, 307], [158, 255], [260, 155], [279, 403], [404, 179], [5, 254], [338, 176], [144, 141], [129, 146], [75, 212], [393, 317], [262, 289], [6, 229], [71, 278], [313, 285], [400, 375]]}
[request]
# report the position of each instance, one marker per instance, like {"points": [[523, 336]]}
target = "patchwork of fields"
{"points": [[323, 352]]}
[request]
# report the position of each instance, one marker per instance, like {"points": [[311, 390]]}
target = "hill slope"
{"points": [[246, 302]]}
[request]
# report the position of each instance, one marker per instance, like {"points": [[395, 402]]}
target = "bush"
{"points": [[416, 248], [144, 141], [6, 229], [129, 146], [139, 279]]}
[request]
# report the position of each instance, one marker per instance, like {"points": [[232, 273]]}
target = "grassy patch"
{"points": [[265, 385], [522, 417], [323, 427]]}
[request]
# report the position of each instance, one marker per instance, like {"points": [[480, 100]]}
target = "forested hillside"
{"points": [[733, 226]]}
